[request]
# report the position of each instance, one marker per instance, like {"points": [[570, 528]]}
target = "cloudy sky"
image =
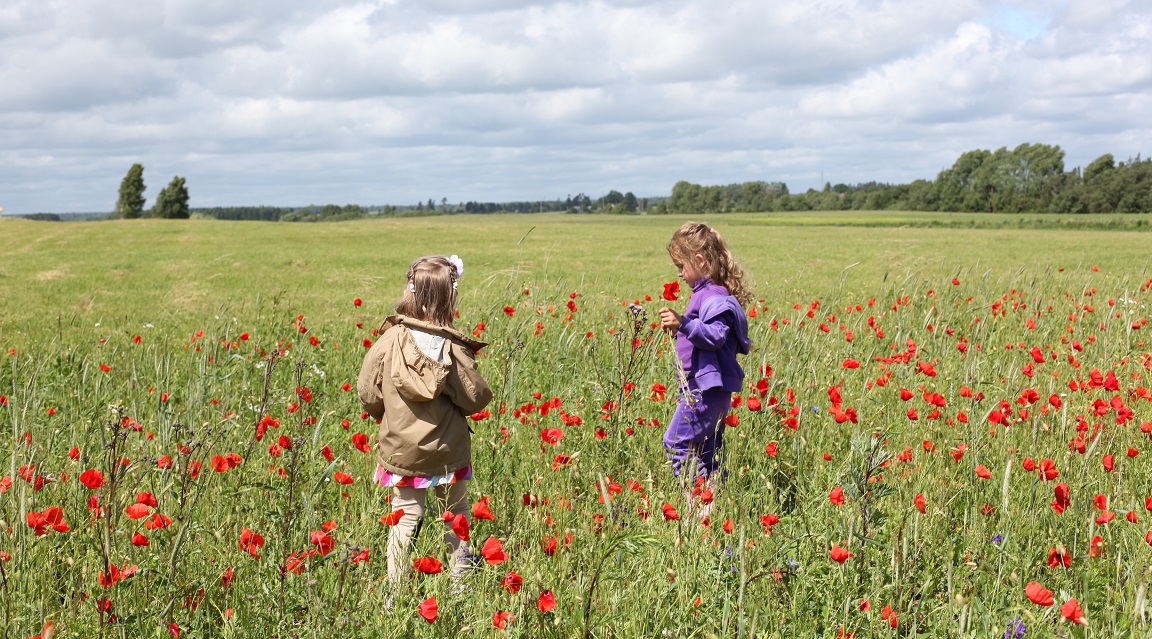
{"points": [[295, 102]]}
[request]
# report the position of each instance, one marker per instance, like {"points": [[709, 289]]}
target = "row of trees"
{"points": [[171, 202], [1028, 179]]}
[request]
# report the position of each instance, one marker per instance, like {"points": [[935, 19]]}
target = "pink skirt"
{"points": [[389, 479]]}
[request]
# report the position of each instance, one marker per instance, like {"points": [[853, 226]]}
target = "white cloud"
{"points": [[374, 101]]}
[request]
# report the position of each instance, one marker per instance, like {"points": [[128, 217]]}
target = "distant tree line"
{"points": [[1028, 179]]}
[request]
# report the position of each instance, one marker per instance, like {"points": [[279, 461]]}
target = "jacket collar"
{"points": [[444, 331]]}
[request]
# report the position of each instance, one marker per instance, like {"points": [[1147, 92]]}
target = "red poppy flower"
{"points": [[295, 563], [549, 545], [357, 302], [323, 541], [1062, 498], [1072, 612], [836, 496], [552, 435], [360, 441], [501, 619], [546, 602], [251, 542], [671, 291], [480, 510], [428, 566], [840, 555], [509, 311], [342, 478], [670, 513], [158, 521], [139, 539], [429, 610], [659, 392], [137, 511], [926, 368], [92, 478], [512, 582], [493, 552], [461, 527], [920, 503], [1048, 470], [52, 517], [392, 518], [850, 364], [1038, 594], [1059, 557], [982, 472]]}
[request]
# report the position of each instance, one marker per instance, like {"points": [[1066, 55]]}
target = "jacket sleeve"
{"points": [[369, 383], [706, 335], [467, 389]]}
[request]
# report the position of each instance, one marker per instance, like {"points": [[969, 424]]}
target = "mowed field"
{"points": [[946, 431]]}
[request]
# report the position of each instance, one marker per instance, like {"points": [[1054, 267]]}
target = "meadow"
{"points": [[945, 431]]}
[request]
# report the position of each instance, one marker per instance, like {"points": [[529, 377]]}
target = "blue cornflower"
{"points": [[1015, 629], [997, 538]]}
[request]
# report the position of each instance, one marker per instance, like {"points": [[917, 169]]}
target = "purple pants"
{"points": [[696, 433]]}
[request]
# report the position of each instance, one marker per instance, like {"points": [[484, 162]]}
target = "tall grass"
{"points": [[273, 332]]}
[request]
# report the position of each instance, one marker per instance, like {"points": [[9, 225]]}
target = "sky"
{"points": [[298, 102]]}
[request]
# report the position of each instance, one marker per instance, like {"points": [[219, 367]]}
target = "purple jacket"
{"points": [[716, 330]]}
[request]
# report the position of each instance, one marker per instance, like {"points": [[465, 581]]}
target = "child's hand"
{"points": [[669, 320]]}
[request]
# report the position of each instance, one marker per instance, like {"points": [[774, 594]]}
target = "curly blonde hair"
{"points": [[694, 238]]}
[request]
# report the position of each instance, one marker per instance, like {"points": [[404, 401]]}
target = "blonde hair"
{"points": [[694, 238], [430, 291]]}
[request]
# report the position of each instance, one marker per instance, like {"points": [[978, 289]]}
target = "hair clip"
{"points": [[411, 286], [458, 264]]}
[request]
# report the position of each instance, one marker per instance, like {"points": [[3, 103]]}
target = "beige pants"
{"points": [[451, 498]]}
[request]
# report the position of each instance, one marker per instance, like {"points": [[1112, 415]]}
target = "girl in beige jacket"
{"points": [[419, 381]]}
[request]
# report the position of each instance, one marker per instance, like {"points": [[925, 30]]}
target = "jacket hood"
{"points": [[445, 331]]}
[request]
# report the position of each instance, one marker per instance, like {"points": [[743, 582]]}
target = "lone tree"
{"points": [[172, 202], [131, 202]]}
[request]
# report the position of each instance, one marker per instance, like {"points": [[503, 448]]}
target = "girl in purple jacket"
{"points": [[709, 335]]}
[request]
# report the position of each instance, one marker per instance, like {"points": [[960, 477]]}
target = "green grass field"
{"points": [[924, 366]]}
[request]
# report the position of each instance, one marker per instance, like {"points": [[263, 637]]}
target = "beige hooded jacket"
{"points": [[422, 405]]}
